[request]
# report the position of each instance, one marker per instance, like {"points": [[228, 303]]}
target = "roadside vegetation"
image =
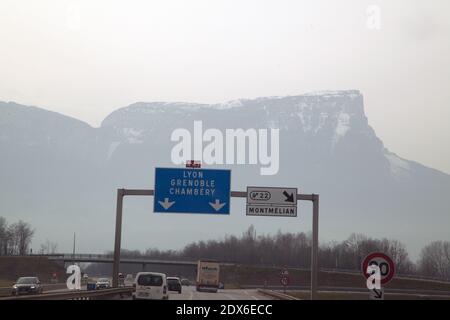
{"points": [[291, 250]]}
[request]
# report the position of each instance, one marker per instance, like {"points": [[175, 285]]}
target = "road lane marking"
{"points": [[253, 297]]}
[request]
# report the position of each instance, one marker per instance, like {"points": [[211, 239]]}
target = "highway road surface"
{"points": [[189, 293]]}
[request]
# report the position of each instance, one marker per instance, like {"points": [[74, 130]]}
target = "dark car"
{"points": [[174, 284], [27, 285]]}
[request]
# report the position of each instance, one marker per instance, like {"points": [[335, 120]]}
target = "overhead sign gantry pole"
{"points": [[314, 198]]}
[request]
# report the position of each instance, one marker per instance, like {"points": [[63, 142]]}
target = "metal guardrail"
{"points": [[399, 275], [358, 272], [423, 294], [356, 289], [276, 295], [104, 294]]}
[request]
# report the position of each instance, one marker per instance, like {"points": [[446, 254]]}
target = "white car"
{"points": [[102, 283], [129, 280], [151, 285]]}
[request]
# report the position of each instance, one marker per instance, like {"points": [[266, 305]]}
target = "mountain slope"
{"points": [[326, 147]]}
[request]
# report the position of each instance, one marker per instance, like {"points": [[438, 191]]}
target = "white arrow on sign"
{"points": [[217, 205], [166, 204]]}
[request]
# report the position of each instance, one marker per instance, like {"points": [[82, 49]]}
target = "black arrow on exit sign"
{"points": [[289, 197]]}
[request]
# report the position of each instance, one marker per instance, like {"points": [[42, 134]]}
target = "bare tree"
{"points": [[398, 253], [3, 236], [350, 253], [435, 260], [48, 247], [12, 241], [20, 235]]}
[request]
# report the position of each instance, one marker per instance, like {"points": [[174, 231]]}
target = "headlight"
{"points": [[33, 287], [14, 287]]}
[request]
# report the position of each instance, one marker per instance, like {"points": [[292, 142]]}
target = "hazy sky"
{"points": [[88, 58]]}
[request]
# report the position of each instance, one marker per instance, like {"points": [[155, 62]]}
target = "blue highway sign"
{"points": [[185, 190]]}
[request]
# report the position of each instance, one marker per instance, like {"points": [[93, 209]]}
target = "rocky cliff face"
{"points": [[59, 172]]}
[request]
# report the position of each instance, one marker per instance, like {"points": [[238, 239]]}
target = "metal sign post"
{"points": [[385, 270], [315, 247], [121, 193], [284, 279], [118, 235]]}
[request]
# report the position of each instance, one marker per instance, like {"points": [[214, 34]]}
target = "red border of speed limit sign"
{"points": [[284, 280], [381, 255]]}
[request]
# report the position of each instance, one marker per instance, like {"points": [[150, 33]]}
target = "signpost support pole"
{"points": [[315, 247], [118, 238], [239, 194]]}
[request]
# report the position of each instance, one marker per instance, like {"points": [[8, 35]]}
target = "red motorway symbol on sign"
{"points": [[384, 262], [193, 164]]}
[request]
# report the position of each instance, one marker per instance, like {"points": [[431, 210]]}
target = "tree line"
{"points": [[280, 250], [15, 238], [294, 250]]}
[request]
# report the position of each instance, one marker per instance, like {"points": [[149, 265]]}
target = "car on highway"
{"points": [[129, 280], [103, 283], [185, 282], [27, 285], [150, 285], [121, 280], [85, 279], [174, 284]]}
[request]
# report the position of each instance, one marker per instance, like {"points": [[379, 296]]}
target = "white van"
{"points": [[151, 285]]}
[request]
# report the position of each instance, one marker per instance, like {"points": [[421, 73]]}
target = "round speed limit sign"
{"points": [[284, 281], [384, 262]]}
